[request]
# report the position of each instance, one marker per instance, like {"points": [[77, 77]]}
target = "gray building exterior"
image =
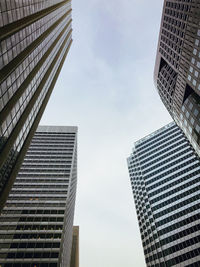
{"points": [[75, 248], [165, 178], [36, 224], [35, 37], [177, 68]]}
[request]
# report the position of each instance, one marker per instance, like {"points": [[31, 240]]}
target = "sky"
{"points": [[106, 89]]}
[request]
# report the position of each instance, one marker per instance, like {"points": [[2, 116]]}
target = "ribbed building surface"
{"points": [[36, 225], [75, 248], [177, 68], [165, 178], [35, 37]]}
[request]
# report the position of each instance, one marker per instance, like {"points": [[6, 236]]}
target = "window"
{"points": [[194, 51], [196, 112], [197, 128], [192, 121], [196, 42], [194, 82], [193, 60], [190, 106]]}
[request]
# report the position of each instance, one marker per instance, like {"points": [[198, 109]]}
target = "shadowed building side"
{"points": [[35, 38]]}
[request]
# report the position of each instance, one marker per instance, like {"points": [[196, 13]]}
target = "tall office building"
{"points": [[165, 177], [36, 225], [75, 248], [35, 37], [177, 68]]}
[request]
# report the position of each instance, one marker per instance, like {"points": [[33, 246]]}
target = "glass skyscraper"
{"points": [[35, 37], [165, 178], [36, 224], [177, 68]]}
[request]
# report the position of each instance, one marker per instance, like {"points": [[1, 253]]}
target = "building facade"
{"points": [[36, 224], [165, 178], [75, 248], [35, 37], [177, 68]]}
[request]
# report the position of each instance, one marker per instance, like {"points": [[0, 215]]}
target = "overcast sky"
{"points": [[106, 89]]}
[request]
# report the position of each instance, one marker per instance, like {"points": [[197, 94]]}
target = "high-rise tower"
{"points": [[165, 177], [177, 68], [36, 224], [35, 37], [75, 248]]}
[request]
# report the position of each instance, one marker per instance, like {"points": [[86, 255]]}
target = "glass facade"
{"points": [[165, 178], [35, 39], [36, 224], [177, 65]]}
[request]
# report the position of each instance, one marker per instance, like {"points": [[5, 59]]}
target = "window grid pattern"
{"points": [[166, 196], [36, 223], [166, 84], [173, 29], [16, 112], [14, 81], [194, 68], [16, 43], [28, 123], [15, 10], [31, 70], [178, 46], [190, 119]]}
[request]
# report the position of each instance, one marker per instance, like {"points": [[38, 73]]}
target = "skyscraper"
{"points": [[35, 37], [177, 68], [75, 248], [36, 225], [165, 177]]}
